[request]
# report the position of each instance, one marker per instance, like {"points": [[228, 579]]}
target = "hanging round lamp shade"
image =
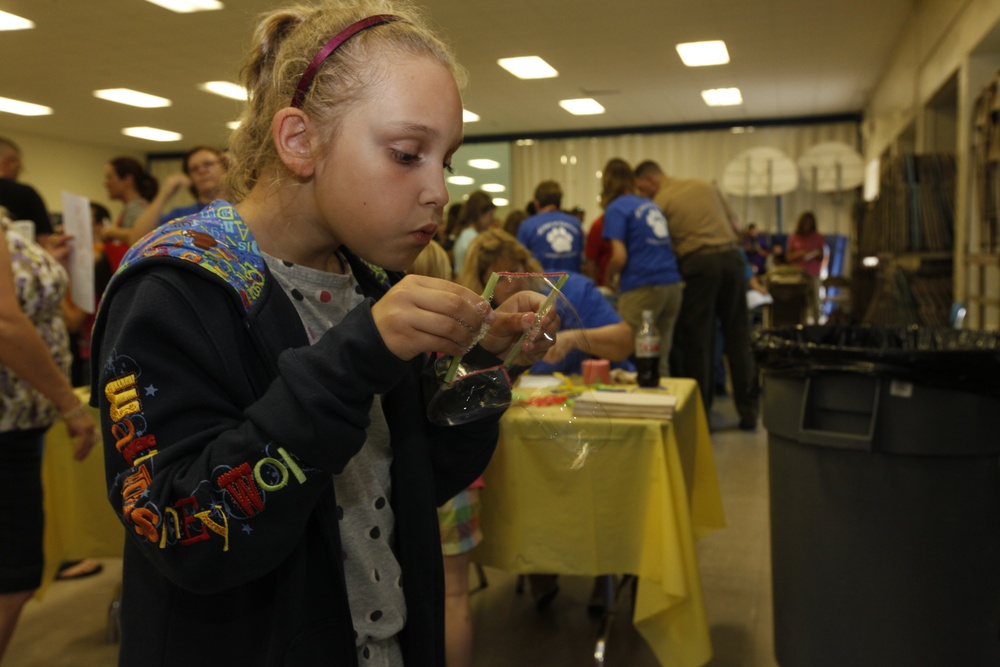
{"points": [[832, 166]]}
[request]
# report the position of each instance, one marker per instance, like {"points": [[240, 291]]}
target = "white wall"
{"points": [[576, 162], [935, 45], [51, 166]]}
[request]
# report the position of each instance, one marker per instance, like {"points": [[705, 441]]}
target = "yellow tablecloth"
{"points": [[79, 521], [646, 491]]}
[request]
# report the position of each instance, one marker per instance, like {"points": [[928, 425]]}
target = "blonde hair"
{"points": [[433, 262], [284, 44], [487, 248], [476, 204]]}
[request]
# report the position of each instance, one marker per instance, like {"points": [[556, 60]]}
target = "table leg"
{"points": [[612, 598]]}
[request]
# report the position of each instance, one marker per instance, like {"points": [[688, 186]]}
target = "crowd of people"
{"points": [[259, 363]]}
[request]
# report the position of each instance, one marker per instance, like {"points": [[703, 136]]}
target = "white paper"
{"points": [[76, 223]]}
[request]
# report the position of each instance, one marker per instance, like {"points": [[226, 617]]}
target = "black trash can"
{"points": [[883, 453]]}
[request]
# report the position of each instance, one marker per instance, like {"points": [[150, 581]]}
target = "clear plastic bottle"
{"points": [[647, 352]]}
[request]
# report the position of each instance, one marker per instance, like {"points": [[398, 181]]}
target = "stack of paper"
{"points": [[632, 404]]}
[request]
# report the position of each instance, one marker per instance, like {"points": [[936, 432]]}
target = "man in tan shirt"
{"points": [[715, 284]]}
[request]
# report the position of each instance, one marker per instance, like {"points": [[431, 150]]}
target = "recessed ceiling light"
{"points": [[469, 117], [493, 187], [700, 54], [722, 97], [132, 98], [233, 124], [482, 163], [23, 108], [461, 180], [12, 22], [188, 6], [582, 107], [151, 133], [233, 91], [528, 67], [500, 202]]}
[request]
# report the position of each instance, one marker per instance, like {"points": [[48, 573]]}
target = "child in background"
{"points": [[598, 332], [259, 366]]}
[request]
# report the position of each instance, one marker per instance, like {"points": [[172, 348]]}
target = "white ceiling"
{"points": [[790, 58]]}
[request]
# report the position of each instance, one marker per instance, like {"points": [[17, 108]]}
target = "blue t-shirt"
{"points": [[555, 239], [182, 212], [641, 226], [594, 311]]}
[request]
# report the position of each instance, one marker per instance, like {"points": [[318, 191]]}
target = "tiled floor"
{"points": [[68, 628]]}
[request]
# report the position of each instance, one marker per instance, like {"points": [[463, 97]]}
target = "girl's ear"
{"points": [[293, 135]]}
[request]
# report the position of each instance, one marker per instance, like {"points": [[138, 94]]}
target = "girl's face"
{"points": [[113, 183], [379, 187], [485, 220]]}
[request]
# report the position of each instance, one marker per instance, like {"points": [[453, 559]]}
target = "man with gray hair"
{"points": [[714, 269]]}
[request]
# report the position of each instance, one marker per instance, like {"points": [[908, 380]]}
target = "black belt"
{"points": [[710, 249]]}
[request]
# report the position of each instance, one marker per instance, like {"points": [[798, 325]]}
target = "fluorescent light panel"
{"points": [[151, 134], [500, 202], [722, 97], [483, 163], [493, 187], [582, 107], [188, 6], [528, 67], [23, 108], [12, 22], [700, 54], [132, 98], [469, 117], [461, 180], [233, 124], [233, 91]]}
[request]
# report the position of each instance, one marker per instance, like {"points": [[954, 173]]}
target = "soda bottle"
{"points": [[647, 352]]}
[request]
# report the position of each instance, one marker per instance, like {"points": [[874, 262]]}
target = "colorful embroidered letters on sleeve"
{"points": [[240, 485]]}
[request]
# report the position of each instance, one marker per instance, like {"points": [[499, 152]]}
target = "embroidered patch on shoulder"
{"points": [[215, 239]]}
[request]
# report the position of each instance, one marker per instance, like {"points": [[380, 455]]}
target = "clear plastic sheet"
{"points": [[473, 386]]}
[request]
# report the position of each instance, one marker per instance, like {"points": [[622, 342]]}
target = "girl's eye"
{"points": [[405, 158]]}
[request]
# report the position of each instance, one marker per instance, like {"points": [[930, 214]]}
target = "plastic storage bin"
{"points": [[884, 495]]}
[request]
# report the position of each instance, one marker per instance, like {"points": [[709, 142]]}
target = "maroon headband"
{"points": [[330, 47]]}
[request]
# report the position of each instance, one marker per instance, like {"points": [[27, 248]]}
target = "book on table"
{"points": [[634, 404]]}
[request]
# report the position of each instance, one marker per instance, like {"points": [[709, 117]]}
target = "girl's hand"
{"points": [[422, 314], [515, 316]]}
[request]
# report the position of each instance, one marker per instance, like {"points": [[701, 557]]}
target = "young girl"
{"points": [[260, 366], [127, 181]]}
